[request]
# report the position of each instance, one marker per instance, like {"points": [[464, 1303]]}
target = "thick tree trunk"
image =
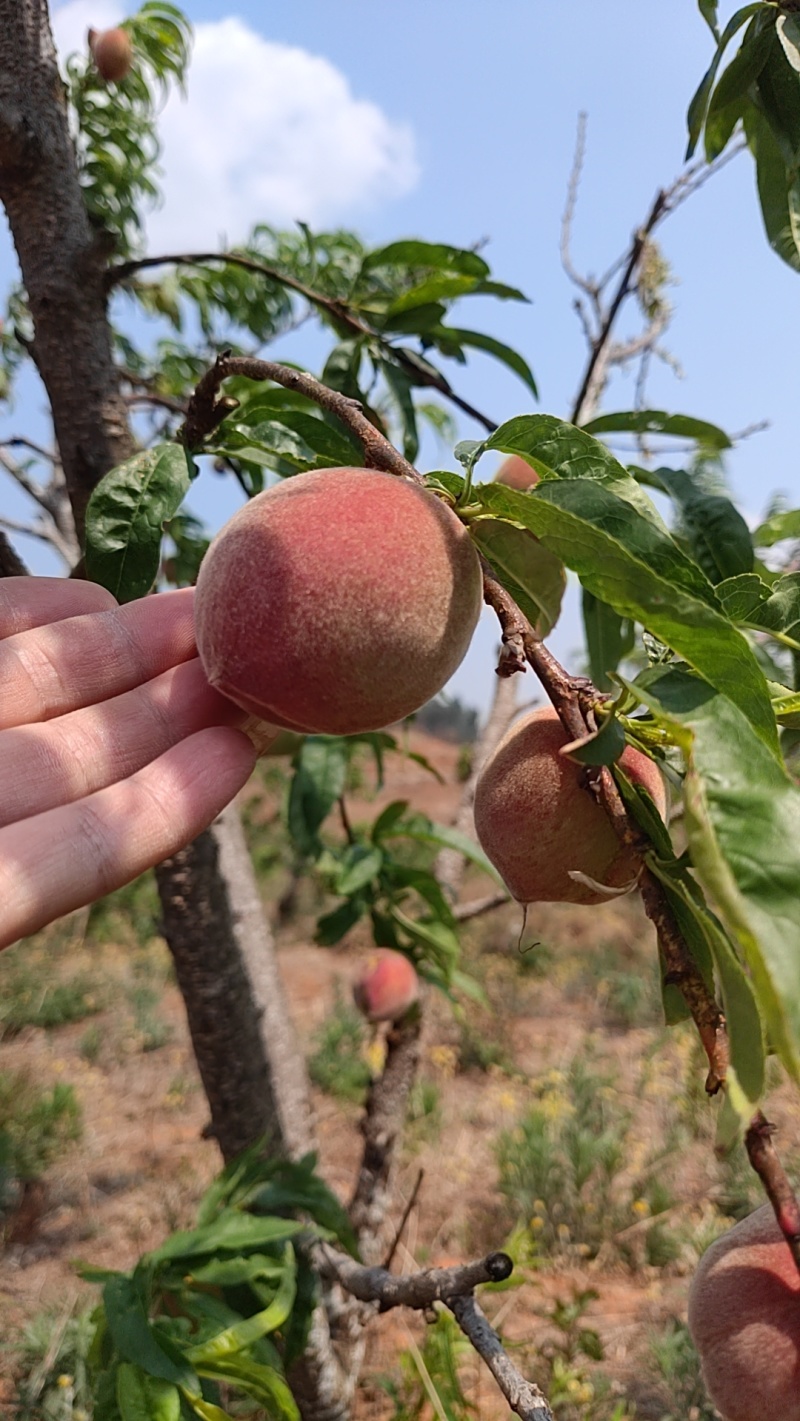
{"points": [[62, 260], [249, 1061]]}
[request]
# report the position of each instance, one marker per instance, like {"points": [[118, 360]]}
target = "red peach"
{"points": [[516, 472], [744, 1317], [536, 822], [388, 986], [112, 53], [339, 601]]}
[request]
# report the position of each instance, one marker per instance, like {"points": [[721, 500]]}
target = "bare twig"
{"points": [[398, 1233], [382, 1129], [585, 283], [18, 441], [624, 285], [415, 1290], [337, 311], [465, 912], [765, 1161], [166, 402], [523, 1397], [455, 1288], [206, 412]]}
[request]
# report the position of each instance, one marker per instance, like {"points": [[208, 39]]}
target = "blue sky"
{"points": [[455, 120]]}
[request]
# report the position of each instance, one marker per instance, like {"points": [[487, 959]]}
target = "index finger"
{"points": [[27, 602], [82, 660]]}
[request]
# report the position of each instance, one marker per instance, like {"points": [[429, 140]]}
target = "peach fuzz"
{"points": [[112, 53], [536, 822], [338, 601], [744, 1317], [388, 986], [516, 473]]}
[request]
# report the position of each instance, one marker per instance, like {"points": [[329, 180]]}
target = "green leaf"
{"points": [[603, 747], [297, 1186], [609, 639], [358, 867], [742, 596], [625, 560], [778, 191], [243, 1334], [424, 831], [708, 9], [684, 426], [534, 577], [743, 827], [230, 1232], [698, 107], [144, 1398], [731, 94], [206, 1410], [478, 341], [779, 97], [557, 450], [717, 534], [777, 527], [331, 927], [230, 1272], [125, 519], [432, 256], [318, 781], [388, 818], [264, 1384], [788, 28], [136, 1340], [400, 387], [445, 287]]}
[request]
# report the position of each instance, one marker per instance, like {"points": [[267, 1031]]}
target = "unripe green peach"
{"points": [[537, 823], [112, 53], [339, 601], [744, 1317], [388, 986], [516, 473]]}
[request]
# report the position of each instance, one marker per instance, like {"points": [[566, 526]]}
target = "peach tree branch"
{"points": [[337, 311]]}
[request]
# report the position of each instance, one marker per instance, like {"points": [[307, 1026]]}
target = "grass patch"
{"points": [[337, 1063]]}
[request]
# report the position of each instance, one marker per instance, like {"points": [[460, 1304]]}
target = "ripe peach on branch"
{"points": [[112, 52], [516, 472], [537, 823], [387, 987], [744, 1317], [339, 601]]}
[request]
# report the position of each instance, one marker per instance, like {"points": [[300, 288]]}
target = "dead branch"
{"points": [[455, 1288]]}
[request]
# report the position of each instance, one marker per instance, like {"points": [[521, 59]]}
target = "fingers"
{"points": [[27, 602], [59, 761], [70, 856], [85, 659]]}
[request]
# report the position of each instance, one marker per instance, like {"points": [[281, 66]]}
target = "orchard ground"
{"points": [[569, 1051]]}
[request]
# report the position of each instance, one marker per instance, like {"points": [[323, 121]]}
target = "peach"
{"points": [[388, 986], [516, 473], [536, 822], [744, 1317], [112, 53], [338, 601]]}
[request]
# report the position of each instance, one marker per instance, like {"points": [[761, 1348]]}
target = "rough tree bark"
{"points": [[62, 259]]}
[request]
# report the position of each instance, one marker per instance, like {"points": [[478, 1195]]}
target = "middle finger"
{"points": [[56, 762]]}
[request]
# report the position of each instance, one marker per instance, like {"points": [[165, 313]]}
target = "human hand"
{"points": [[114, 750]]}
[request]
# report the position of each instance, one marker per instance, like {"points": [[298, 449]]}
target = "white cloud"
{"points": [[268, 132]]}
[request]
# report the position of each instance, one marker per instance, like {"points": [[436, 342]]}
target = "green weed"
{"points": [[337, 1065], [678, 1369], [32, 996], [35, 1126], [50, 1367]]}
